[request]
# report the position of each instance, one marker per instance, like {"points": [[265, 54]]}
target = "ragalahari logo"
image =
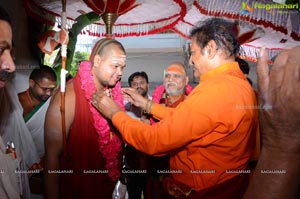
{"points": [[246, 8], [272, 8]]}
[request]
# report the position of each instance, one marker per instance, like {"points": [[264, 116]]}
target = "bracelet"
{"points": [[148, 107]]}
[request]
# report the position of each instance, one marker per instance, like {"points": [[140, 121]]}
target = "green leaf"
{"points": [[80, 23]]}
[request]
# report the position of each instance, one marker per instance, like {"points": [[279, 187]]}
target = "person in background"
{"points": [[138, 81], [17, 150], [93, 150], [171, 93], [278, 167], [134, 159], [210, 136], [42, 83], [244, 66], [34, 100], [175, 87]]}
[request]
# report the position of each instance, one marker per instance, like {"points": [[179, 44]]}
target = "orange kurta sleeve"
{"points": [[159, 111]]}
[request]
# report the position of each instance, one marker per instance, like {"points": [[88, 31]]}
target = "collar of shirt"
{"points": [[220, 69]]}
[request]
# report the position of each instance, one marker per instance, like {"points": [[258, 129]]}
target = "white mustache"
{"points": [[171, 84]]}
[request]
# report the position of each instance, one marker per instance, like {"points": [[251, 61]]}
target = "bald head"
{"points": [[108, 59], [104, 47]]}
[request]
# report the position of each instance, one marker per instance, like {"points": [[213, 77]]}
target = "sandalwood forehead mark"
{"points": [[175, 69], [117, 59]]}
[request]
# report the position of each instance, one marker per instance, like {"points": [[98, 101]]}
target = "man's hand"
{"points": [[135, 98], [279, 94], [106, 105], [278, 166]]}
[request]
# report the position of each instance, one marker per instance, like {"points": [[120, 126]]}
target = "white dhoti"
{"points": [[35, 125]]}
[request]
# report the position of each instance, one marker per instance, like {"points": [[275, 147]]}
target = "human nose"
{"points": [[48, 92], [168, 79], [191, 60], [6, 62], [119, 71]]}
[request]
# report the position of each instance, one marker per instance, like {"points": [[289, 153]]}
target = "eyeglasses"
{"points": [[45, 89], [137, 84]]}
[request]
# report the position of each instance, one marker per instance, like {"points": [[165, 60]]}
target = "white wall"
{"points": [[152, 63]]}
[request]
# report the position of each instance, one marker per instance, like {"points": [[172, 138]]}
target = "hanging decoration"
{"points": [[275, 29], [133, 17]]}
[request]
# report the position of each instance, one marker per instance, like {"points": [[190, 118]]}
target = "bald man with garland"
{"points": [[93, 161]]}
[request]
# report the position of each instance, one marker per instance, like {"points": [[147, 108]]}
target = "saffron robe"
{"points": [[84, 156], [208, 135]]}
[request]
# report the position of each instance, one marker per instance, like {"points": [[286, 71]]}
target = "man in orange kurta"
{"points": [[211, 135]]}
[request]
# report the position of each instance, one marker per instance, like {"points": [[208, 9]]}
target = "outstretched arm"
{"points": [[159, 112], [278, 169], [109, 107], [54, 141]]}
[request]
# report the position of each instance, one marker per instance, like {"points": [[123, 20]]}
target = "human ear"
{"points": [[211, 49], [31, 83], [186, 80], [96, 60]]}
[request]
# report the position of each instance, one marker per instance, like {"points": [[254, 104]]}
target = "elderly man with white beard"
{"points": [[175, 86], [172, 92]]}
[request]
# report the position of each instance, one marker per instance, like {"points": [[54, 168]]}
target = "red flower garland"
{"points": [[109, 146]]}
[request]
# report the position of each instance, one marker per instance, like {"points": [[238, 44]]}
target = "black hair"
{"points": [[4, 16], [244, 66], [137, 74], [221, 31], [43, 72]]}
